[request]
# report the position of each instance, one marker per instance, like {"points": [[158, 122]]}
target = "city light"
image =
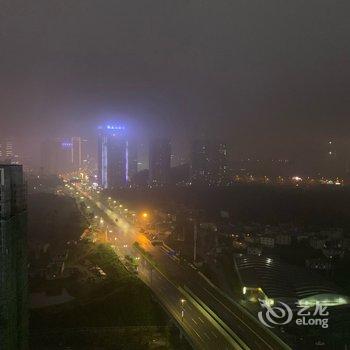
{"points": [[222, 133], [115, 127]]}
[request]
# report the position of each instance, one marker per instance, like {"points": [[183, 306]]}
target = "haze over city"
{"points": [[174, 175], [271, 79]]}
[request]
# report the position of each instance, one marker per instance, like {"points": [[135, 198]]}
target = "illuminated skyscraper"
{"points": [[13, 261], [6, 151], [159, 162], [9, 149], [113, 157]]}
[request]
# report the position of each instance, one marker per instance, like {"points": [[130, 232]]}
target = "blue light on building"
{"points": [[112, 156], [66, 145], [112, 127]]}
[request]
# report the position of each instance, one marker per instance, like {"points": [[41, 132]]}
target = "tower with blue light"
{"points": [[113, 169]]}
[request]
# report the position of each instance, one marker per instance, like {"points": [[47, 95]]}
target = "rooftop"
{"points": [[282, 281]]}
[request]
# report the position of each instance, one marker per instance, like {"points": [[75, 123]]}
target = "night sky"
{"points": [[269, 77]]}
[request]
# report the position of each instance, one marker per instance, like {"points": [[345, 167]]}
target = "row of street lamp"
{"points": [[145, 216]]}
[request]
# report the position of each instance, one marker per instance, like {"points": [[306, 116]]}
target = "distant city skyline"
{"points": [[174, 174], [331, 158], [269, 80]]}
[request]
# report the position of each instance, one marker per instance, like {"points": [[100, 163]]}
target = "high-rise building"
{"points": [[56, 156], [48, 157], [9, 149], [113, 158], [13, 261], [132, 159], [6, 151], [159, 162], [200, 162], [209, 164], [76, 151], [221, 160]]}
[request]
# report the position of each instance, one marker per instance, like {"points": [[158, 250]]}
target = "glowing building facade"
{"points": [[7, 152], [113, 157]]}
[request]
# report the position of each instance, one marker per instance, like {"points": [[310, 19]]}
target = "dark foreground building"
{"points": [[13, 262]]}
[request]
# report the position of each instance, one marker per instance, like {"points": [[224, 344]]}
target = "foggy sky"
{"points": [[269, 77]]}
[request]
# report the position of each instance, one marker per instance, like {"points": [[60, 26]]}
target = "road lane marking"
{"points": [[205, 333], [221, 327], [198, 334], [161, 291], [237, 317], [201, 320]]}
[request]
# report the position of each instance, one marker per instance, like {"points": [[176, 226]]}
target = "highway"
{"points": [[209, 318]]}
